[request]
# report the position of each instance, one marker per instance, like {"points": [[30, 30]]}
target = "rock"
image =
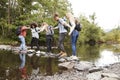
{"points": [[68, 65], [94, 76], [23, 52], [95, 69], [83, 65], [70, 59], [31, 50], [42, 52], [30, 55], [38, 54], [106, 78], [52, 55], [62, 60], [5, 47], [110, 75]]}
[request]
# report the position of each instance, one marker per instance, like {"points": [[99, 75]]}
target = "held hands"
{"points": [[71, 30]]}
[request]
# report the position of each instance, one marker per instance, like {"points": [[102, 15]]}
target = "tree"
{"points": [[90, 30]]}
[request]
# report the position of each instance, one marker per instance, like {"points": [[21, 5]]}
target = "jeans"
{"points": [[60, 43], [74, 37], [22, 58], [49, 39], [35, 42], [22, 47]]}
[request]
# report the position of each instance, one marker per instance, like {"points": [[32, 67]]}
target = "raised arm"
{"points": [[42, 28], [72, 22]]}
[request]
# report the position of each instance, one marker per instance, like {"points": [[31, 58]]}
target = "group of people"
{"points": [[35, 30]]}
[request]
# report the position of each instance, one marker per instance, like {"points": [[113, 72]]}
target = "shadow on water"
{"points": [[97, 54]]}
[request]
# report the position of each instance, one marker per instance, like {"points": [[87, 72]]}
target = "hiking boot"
{"points": [[59, 54], [31, 50], [74, 57], [38, 52], [64, 54]]}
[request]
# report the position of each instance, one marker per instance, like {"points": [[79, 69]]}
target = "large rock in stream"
{"points": [[67, 65], [83, 65]]}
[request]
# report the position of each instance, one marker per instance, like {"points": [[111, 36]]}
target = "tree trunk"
{"points": [[8, 11]]}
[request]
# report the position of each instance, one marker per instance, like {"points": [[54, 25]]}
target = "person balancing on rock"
{"points": [[35, 36], [74, 33], [62, 34], [49, 35]]}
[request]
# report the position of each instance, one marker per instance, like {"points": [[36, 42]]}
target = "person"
{"points": [[74, 34], [49, 35], [23, 50], [62, 34], [35, 36]]}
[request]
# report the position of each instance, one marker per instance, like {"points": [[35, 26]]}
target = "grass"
{"points": [[6, 41]]}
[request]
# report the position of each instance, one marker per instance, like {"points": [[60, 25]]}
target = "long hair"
{"points": [[70, 16], [33, 25], [76, 20]]}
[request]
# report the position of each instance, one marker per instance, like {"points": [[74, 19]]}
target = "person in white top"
{"points": [[35, 36], [74, 34]]}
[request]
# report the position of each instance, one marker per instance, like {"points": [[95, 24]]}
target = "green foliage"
{"points": [[113, 35], [22, 12], [90, 30]]}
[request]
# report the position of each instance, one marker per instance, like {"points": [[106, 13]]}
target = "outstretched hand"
{"points": [[71, 30]]}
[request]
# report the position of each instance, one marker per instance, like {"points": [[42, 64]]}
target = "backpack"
{"points": [[18, 30], [51, 31], [65, 27], [78, 27]]}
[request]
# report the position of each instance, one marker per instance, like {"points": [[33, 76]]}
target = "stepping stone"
{"points": [[67, 65], [94, 76], [107, 78], [111, 75], [95, 69], [83, 65]]}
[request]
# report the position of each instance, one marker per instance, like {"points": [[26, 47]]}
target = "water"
{"points": [[100, 55], [106, 58]]}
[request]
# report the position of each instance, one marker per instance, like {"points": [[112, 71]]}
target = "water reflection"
{"points": [[88, 53], [22, 68], [34, 62]]}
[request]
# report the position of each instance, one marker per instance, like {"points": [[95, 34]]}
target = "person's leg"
{"points": [[32, 43], [63, 52], [37, 43], [74, 38], [61, 39], [22, 47], [22, 58], [51, 39], [48, 40]]}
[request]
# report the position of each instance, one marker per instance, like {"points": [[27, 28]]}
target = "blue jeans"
{"points": [[22, 47], [74, 37], [23, 60]]}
